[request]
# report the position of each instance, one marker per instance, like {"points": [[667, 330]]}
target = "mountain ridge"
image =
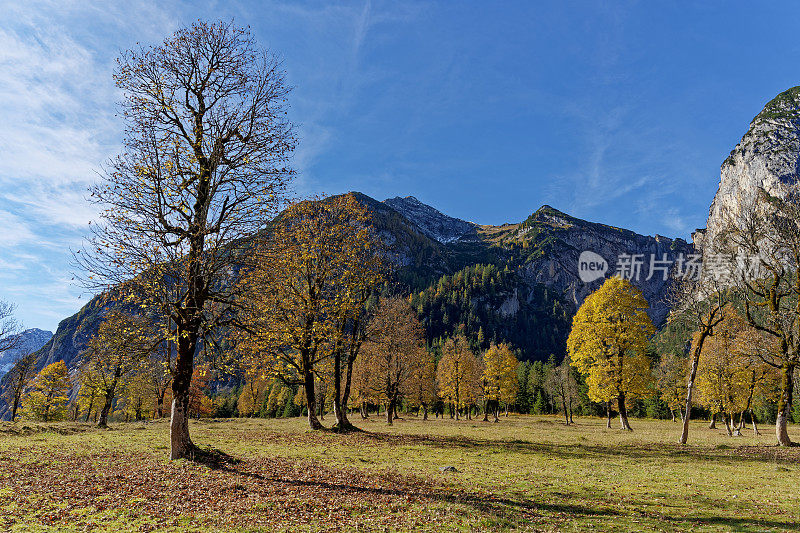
{"points": [[516, 282]]}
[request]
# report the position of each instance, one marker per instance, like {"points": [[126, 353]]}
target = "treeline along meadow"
{"points": [[231, 298]]}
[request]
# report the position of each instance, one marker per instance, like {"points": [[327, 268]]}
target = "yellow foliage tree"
{"points": [[305, 301], [730, 373], [500, 381], [117, 349], [607, 344], [394, 355], [671, 381], [48, 396], [458, 375]]}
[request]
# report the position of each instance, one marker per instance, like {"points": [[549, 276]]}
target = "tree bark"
{"points": [[713, 423], [785, 405], [311, 400], [339, 413], [684, 438], [108, 401], [608, 414], [390, 411], [727, 419], [623, 413], [564, 405], [753, 421], [180, 442]]}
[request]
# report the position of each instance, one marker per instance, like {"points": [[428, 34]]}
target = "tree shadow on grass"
{"points": [[759, 454], [501, 507]]}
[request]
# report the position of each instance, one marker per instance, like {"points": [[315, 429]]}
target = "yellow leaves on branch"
{"points": [[732, 369], [500, 381], [459, 373], [47, 397], [608, 341]]}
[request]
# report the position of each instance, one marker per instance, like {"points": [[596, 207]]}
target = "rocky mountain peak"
{"points": [[30, 341], [767, 157], [432, 222]]}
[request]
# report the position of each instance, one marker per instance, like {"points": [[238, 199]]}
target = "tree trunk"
{"points": [[390, 411], [672, 413], [180, 442], [311, 400], [684, 438], [15, 407], [713, 423], [424, 411], [727, 418], [486, 410], [564, 405], [108, 401], [753, 421], [785, 405], [341, 394], [623, 413], [608, 414], [160, 403]]}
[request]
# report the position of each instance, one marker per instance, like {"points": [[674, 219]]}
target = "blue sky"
{"points": [[618, 113]]}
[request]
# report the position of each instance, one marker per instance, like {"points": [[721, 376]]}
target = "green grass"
{"points": [[525, 473]]}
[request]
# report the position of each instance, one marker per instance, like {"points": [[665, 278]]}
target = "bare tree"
{"points": [[19, 377], [205, 165], [697, 302], [9, 328], [762, 240]]}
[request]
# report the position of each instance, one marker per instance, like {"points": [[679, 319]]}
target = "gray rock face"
{"points": [[767, 157], [621, 249], [432, 222], [30, 341]]}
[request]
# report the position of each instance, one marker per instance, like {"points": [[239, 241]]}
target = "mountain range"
{"points": [[522, 281], [516, 282]]}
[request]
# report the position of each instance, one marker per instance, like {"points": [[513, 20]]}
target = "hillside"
{"points": [[516, 283], [30, 341]]}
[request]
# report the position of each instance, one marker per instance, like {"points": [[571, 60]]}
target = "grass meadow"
{"points": [[526, 473]]}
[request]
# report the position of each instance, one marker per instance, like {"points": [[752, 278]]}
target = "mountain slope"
{"points": [[516, 283], [767, 157], [30, 341]]}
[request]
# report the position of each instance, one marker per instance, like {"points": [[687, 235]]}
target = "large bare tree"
{"points": [[697, 303], [205, 163], [763, 243]]}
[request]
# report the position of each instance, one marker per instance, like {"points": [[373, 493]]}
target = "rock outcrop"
{"points": [[29, 341], [432, 222], [766, 158]]}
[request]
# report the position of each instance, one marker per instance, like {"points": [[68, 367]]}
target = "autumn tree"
{"points": [[255, 383], [204, 166], [697, 302], [394, 355], [47, 397], [88, 397], [18, 377], [670, 376], [458, 375], [114, 352], [563, 386], [421, 390], [608, 344], [136, 395], [305, 299], [762, 245], [499, 377]]}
